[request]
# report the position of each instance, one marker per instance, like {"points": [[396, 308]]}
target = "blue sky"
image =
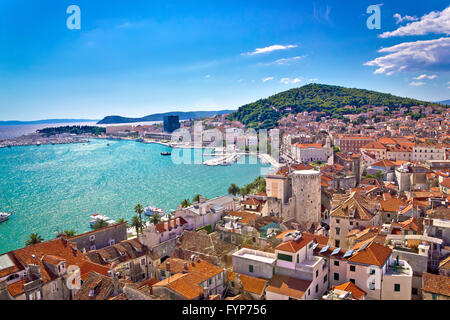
{"points": [[161, 55]]}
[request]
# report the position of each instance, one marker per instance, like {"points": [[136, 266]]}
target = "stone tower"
{"points": [[306, 192]]}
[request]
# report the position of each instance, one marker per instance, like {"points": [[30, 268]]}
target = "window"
{"points": [[434, 296], [309, 292], [298, 258], [250, 268], [317, 288], [336, 263], [372, 286], [317, 273], [143, 261], [210, 281], [352, 280], [163, 273], [372, 271], [414, 291], [93, 247], [397, 287], [352, 268], [325, 279], [285, 257], [337, 243], [171, 296], [351, 223], [336, 276], [338, 231], [337, 220], [92, 237]]}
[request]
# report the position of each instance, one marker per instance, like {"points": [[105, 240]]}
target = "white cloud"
{"points": [[272, 48], [425, 76], [401, 19], [416, 84], [290, 81], [267, 79], [414, 57], [434, 22], [288, 60], [208, 76]]}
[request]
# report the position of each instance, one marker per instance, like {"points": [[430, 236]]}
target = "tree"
{"points": [[233, 189], [69, 233], [33, 239], [139, 209], [196, 198], [100, 224], [136, 223], [379, 175], [185, 203], [121, 220], [154, 219]]}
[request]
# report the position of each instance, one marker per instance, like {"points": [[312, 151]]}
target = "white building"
{"points": [[206, 212]]}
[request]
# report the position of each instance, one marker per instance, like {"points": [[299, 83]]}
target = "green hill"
{"points": [[265, 113]]}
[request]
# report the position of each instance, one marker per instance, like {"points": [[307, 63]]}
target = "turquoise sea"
{"points": [[60, 186]]}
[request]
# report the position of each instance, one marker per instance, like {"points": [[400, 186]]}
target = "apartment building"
{"points": [[351, 212]]}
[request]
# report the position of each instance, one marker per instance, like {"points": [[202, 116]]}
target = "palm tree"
{"points": [[154, 219], [196, 198], [69, 233], [121, 220], [185, 203], [379, 175], [33, 239], [139, 209], [136, 223], [100, 224], [233, 189]]}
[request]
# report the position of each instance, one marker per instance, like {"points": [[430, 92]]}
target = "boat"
{"points": [[96, 217], [151, 211], [166, 153], [5, 216]]}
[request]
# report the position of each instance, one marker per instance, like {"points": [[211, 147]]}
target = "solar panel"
{"points": [[336, 251], [348, 253], [315, 246], [364, 246], [324, 249]]}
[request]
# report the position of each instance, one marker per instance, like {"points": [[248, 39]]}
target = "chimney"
{"points": [[186, 265], [178, 221], [179, 207], [166, 225], [172, 223]]}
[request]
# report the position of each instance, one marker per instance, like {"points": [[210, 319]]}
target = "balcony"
{"points": [[402, 269]]}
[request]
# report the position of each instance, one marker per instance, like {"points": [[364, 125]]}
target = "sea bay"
{"points": [[57, 187]]}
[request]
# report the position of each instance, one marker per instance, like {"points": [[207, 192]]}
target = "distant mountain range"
{"points": [[16, 122], [445, 102], [160, 116]]}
